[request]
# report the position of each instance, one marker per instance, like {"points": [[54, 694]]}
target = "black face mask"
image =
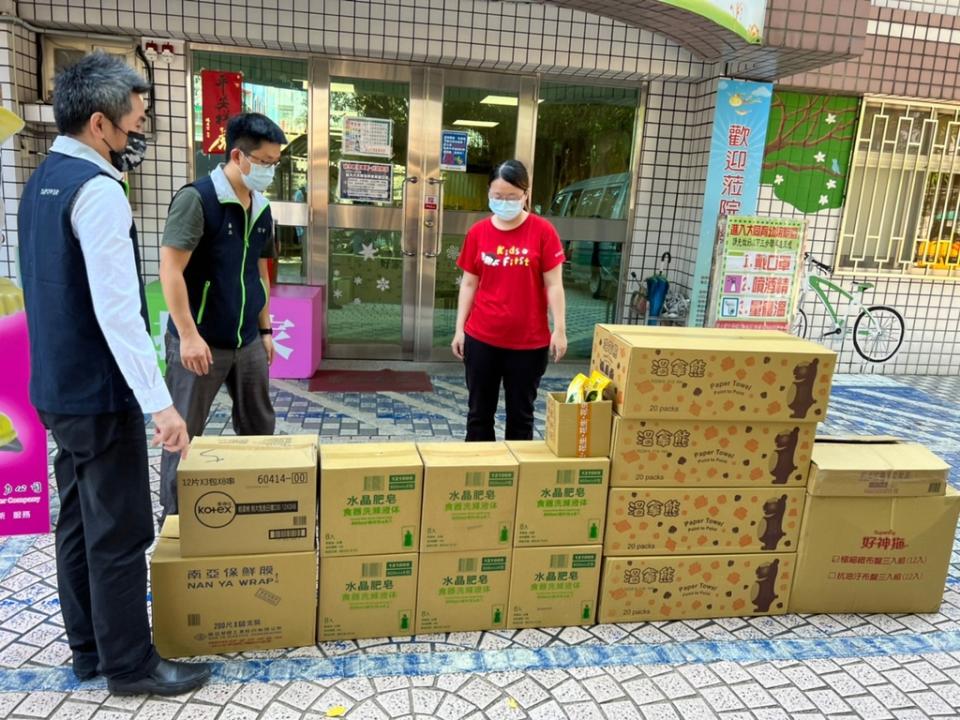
{"points": [[132, 154]]}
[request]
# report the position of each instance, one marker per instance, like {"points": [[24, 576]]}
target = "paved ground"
{"points": [[850, 666]]}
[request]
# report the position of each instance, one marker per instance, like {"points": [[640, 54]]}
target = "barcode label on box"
{"points": [[467, 565], [300, 521], [371, 570], [193, 620], [474, 479], [287, 533], [373, 483], [559, 561], [564, 477]]}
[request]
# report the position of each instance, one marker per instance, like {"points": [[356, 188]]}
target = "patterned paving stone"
{"points": [[831, 681]]}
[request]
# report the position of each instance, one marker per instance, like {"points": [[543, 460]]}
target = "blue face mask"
{"points": [[506, 210], [259, 177]]}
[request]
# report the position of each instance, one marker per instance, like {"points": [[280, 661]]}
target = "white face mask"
{"points": [[259, 177], [506, 210]]}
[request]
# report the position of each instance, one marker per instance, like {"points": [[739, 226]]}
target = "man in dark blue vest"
{"points": [[94, 374], [213, 267]]}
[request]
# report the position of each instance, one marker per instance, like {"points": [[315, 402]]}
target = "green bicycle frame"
{"points": [[821, 286]]}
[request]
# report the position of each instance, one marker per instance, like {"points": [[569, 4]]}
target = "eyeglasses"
{"points": [[513, 198], [261, 162]]}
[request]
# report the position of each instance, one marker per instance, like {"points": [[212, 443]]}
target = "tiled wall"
{"points": [[510, 36], [18, 70], [678, 121], [941, 7], [517, 37]]}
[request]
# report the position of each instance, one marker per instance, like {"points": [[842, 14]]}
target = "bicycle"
{"points": [[878, 331]]}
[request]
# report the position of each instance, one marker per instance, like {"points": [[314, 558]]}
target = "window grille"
{"points": [[903, 194]]}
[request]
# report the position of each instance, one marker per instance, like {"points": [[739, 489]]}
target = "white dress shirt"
{"points": [[101, 220]]}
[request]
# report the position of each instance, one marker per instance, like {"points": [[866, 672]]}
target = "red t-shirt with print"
{"points": [[510, 306]]}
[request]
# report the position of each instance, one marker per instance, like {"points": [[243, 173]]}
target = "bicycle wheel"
{"points": [[878, 335], [799, 327]]}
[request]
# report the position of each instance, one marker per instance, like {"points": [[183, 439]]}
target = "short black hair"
{"points": [[248, 131], [96, 83], [513, 172]]}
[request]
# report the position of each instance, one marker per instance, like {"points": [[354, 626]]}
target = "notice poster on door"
{"points": [[368, 136], [757, 273], [365, 182], [453, 150]]}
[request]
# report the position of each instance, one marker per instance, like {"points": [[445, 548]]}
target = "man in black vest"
{"points": [[213, 268], [94, 374]]}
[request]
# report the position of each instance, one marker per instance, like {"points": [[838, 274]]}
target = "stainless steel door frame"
{"points": [[438, 223], [333, 215]]}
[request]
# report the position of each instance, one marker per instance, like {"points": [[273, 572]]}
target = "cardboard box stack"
{"points": [[712, 436], [370, 500], [466, 537], [558, 536], [878, 529], [237, 569]]}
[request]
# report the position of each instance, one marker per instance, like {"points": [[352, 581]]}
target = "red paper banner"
{"points": [[222, 99]]}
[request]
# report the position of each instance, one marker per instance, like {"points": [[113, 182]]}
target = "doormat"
{"points": [[370, 381]]}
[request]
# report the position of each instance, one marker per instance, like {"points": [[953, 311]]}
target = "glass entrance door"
{"points": [[399, 175]]}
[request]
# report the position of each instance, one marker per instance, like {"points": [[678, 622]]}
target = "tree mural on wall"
{"points": [[807, 156]]}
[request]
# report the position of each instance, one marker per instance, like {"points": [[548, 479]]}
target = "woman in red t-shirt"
{"points": [[512, 266]]}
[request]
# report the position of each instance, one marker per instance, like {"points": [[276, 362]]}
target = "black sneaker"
{"points": [[167, 678]]}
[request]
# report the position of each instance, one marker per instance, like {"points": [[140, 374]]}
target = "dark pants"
{"points": [[520, 370], [246, 374], [105, 527]]}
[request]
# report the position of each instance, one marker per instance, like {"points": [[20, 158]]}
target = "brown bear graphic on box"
{"points": [[801, 394], [764, 589], [782, 465], [771, 529]]}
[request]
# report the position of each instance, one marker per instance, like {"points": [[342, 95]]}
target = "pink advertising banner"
{"points": [[24, 494]]}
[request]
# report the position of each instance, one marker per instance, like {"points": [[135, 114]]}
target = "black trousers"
{"points": [[519, 370], [105, 527]]}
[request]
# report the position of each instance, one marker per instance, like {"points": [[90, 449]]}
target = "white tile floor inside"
{"points": [[847, 666]]}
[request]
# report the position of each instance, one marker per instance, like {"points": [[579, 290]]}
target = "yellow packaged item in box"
{"points": [[578, 429], [576, 390]]}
